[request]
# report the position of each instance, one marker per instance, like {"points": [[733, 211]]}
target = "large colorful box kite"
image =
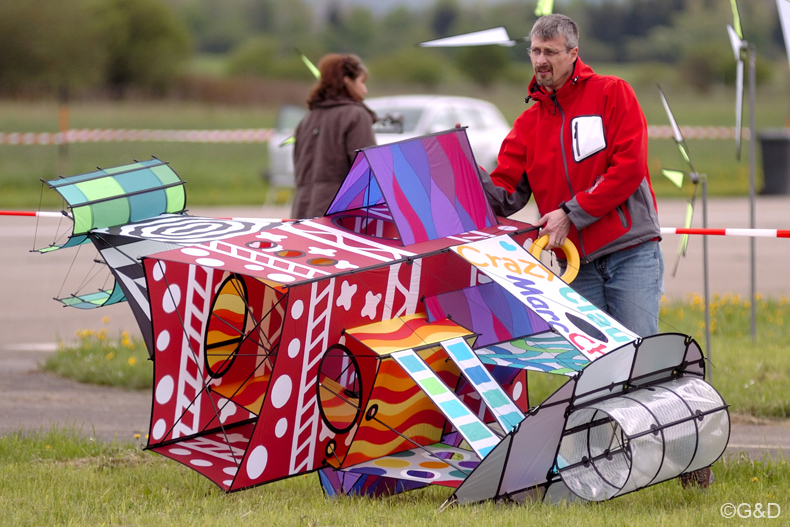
{"points": [[386, 345]]}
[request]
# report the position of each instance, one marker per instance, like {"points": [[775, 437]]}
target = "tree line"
{"points": [[147, 44]]}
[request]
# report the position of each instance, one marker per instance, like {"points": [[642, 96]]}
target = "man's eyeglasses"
{"points": [[548, 52]]}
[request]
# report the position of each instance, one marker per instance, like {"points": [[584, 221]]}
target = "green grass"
{"points": [[216, 174], [97, 358], [57, 445], [42, 116], [60, 478], [752, 376]]}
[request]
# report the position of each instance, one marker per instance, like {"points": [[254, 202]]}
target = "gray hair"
{"points": [[556, 25]]}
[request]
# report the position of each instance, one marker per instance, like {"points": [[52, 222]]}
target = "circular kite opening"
{"points": [[226, 326], [646, 436], [339, 389]]}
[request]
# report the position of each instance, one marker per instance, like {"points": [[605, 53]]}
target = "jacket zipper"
{"points": [[621, 213]]}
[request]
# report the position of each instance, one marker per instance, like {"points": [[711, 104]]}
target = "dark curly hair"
{"points": [[334, 67]]}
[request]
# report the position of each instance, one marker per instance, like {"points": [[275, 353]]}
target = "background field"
{"points": [[230, 174]]}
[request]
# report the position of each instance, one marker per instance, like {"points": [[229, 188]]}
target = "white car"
{"points": [[402, 117]]}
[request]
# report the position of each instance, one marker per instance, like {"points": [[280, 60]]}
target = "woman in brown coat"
{"points": [[327, 138]]}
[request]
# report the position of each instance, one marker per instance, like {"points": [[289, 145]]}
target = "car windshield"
{"points": [[410, 115]]}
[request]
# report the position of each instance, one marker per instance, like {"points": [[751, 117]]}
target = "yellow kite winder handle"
{"points": [[571, 254]]}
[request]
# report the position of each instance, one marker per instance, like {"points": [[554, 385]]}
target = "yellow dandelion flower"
{"points": [[137, 436], [755, 479], [132, 361], [47, 447], [110, 356]]}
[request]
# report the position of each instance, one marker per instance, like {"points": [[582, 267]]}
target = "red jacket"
{"points": [[584, 145]]}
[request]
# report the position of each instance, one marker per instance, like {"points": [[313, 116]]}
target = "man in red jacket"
{"points": [[581, 150]]}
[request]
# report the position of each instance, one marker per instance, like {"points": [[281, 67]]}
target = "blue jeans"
{"points": [[626, 284]]}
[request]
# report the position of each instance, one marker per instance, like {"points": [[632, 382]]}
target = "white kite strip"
{"points": [[498, 35]]}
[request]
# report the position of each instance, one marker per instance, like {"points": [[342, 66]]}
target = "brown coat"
{"points": [[327, 139]]}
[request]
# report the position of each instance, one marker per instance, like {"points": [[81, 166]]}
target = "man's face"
{"points": [[552, 61]]}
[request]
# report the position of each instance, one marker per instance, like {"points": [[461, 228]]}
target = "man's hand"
{"points": [[556, 225]]}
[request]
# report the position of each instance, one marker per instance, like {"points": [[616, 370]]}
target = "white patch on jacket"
{"points": [[588, 136]]}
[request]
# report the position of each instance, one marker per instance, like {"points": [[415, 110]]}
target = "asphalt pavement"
{"points": [[31, 323]]}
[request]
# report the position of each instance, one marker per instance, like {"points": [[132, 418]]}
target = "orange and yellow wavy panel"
{"points": [[411, 331], [248, 393], [399, 413]]}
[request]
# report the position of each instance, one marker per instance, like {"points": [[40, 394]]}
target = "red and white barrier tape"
{"points": [[50, 214], [263, 135], [254, 135], [754, 233], [40, 214], [697, 132]]}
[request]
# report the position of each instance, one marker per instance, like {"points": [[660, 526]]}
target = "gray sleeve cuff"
{"points": [[577, 215], [502, 203]]}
